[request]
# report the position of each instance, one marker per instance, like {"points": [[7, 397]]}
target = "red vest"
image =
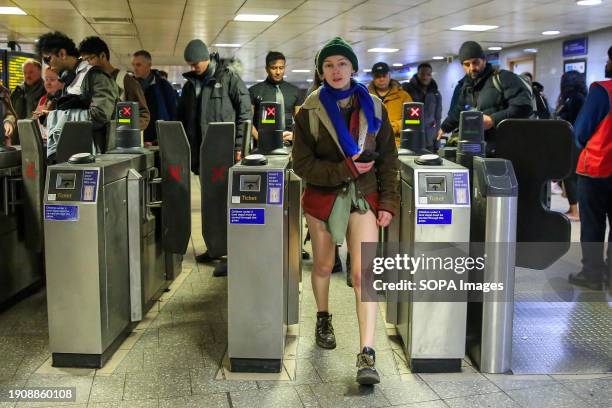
{"points": [[596, 157]]}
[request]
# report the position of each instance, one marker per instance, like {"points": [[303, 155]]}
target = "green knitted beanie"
{"points": [[336, 46]]}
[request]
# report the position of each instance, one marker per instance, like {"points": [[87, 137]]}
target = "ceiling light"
{"points": [[551, 32], [256, 17], [300, 70], [383, 50], [15, 11], [397, 64], [531, 50], [438, 57], [588, 2], [227, 45], [495, 48], [474, 27], [309, 80], [367, 70]]}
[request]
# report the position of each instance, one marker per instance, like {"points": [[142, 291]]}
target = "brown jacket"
{"points": [[394, 102], [321, 162]]}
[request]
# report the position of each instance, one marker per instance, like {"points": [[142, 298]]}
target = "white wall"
{"points": [[549, 60]]}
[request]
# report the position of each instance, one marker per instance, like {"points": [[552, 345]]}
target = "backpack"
{"points": [[498, 85]]}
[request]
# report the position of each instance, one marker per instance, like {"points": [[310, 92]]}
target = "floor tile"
{"points": [[514, 382], [349, 394], [273, 397], [494, 400], [556, 396], [107, 388], [219, 400]]}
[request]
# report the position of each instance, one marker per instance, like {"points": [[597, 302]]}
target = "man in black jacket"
{"points": [[479, 92], [423, 88], [212, 93]]}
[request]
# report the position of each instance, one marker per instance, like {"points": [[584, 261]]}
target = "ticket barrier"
{"points": [[105, 245], [270, 131], [264, 260], [435, 208], [493, 232], [20, 258]]}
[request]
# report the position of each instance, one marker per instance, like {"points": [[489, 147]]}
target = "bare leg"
{"points": [[323, 250], [362, 228]]}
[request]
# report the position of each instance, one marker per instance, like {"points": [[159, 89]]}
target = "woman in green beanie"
{"points": [[345, 151]]}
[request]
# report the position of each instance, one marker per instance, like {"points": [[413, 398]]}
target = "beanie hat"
{"points": [[196, 51], [469, 50], [336, 46]]}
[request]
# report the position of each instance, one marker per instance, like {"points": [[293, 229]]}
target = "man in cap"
{"points": [[479, 92], [213, 93], [391, 93]]}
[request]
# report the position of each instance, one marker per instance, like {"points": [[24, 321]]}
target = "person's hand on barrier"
{"points": [[487, 122], [8, 129], [384, 218], [287, 136], [238, 156], [440, 134], [148, 144], [362, 167]]}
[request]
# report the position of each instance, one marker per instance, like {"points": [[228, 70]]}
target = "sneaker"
{"points": [[366, 371], [580, 279], [555, 188], [324, 332], [205, 258]]}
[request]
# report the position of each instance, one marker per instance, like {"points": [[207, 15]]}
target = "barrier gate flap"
{"points": [[76, 137], [33, 170], [175, 158], [540, 151], [216, 158]]}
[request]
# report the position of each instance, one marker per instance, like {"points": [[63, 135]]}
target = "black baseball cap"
{"points": [[380, 68]]}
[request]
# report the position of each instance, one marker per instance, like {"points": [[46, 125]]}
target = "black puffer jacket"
{"points": [[223, 98], [481, 94], [432, 100]]}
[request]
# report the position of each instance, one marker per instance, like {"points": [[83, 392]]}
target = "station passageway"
{"points": [[176, 355]]}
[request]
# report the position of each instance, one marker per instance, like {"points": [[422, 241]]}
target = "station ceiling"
{"points": [[420, 29]]}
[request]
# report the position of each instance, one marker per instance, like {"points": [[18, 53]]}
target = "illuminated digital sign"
{"points": [[11, 72]]}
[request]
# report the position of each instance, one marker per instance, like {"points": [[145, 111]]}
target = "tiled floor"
{"points": [[174, 360]]}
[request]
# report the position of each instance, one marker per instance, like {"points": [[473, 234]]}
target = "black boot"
{"points": [[220, 270], [366, 371], [205, 258], [324, 332]]}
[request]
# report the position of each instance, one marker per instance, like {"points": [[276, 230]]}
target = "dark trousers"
{"points": [[595, 201], [570, 182]]}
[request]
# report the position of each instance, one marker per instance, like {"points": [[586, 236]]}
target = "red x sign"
{"points": [[415, 112], [126, 111], [270, 111], [175, 172], [31, 170], [218, 173]]}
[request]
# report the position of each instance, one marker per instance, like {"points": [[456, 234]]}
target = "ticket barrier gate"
{"points": [[493, 232], [20, 258], [435, 209], [264, 261], [105, 258]]}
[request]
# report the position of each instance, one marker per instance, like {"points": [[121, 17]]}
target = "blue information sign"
{"points": [[434, 216], [575, 47], [250, 216], [461, 183], [90, 185], [61, 212], [275, 188]]}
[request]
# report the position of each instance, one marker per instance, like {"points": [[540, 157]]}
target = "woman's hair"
{"points": [[573, 83]]}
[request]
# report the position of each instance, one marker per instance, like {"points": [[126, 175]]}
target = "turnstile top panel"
{"points": [[274, 162], [408, 167], [112, 166], [11, 158]]}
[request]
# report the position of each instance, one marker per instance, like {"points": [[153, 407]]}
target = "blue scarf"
{"points": [[329, 98]]}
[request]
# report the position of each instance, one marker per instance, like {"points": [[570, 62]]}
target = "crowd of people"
{"points": [[345, 136]]}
